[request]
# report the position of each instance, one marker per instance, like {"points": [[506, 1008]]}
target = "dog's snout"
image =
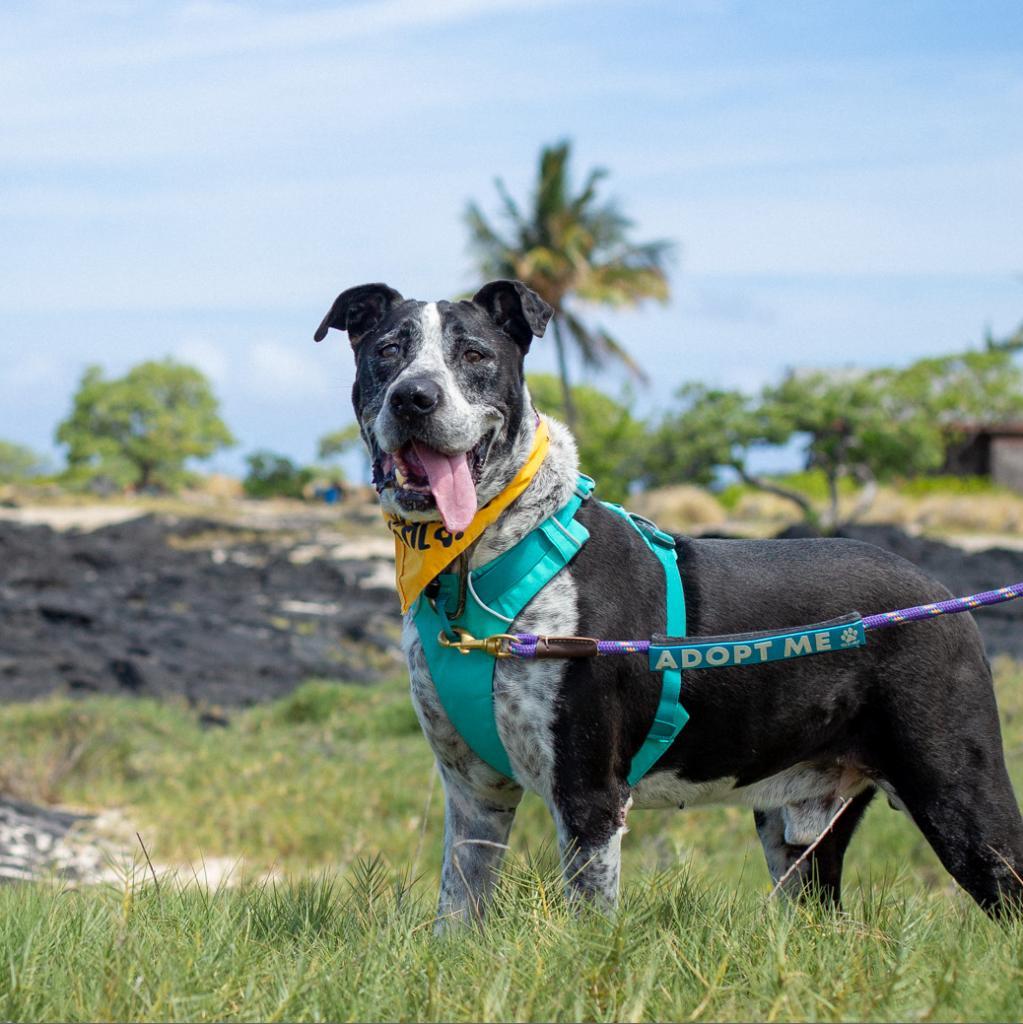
{"points": [[415, 397]]}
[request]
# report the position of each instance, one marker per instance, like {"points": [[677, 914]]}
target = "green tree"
{"points": [[339, 442], [1010, 343], [141, 428], [610, 439], [571, 246], [886, 423], [965, 387], [714, 429], [842, 421], [865, 426], [855, 426], [272, 475], [18, 462]]}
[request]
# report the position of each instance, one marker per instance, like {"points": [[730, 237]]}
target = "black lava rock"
{"points": [[144, 608], [963, 573]]}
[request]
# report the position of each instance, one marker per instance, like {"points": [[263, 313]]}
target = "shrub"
{"points": [[272, 475]]}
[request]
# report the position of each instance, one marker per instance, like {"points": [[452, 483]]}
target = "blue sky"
{"points": [[201, 179]]}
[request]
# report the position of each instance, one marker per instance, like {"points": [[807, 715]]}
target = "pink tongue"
{"points": [[452, 486]]}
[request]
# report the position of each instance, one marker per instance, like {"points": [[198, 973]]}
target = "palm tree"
{"points": [[566, 247]]}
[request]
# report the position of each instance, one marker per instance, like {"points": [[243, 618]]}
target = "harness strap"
{"points": [[670, 716], [516, 576], [495, 594], [463, 668]]}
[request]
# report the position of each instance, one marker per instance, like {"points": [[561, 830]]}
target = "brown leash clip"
{"points": [[496, 646]]}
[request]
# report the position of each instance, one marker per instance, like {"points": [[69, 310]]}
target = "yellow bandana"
{"points": [[423, 550]]}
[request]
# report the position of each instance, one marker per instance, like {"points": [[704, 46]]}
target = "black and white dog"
{"points": [[913, 714]]}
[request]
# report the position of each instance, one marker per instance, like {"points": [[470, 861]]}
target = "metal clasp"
{"points": [[496, 646]]}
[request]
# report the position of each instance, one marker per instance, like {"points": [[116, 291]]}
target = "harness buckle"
{"points": [[496, 646]]}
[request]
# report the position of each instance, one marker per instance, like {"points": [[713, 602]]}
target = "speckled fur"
{"points": [[592, 869], [551, 489], [788, 740], [458, 423], [525, 693], [475, 837]]}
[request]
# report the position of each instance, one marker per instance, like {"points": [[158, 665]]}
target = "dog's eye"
{"points": [[472, 355], [390, 349]]}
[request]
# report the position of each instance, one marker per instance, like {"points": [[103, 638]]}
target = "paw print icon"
{"points": [[849, 637]]}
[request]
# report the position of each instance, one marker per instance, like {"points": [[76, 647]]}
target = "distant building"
{"points": [[994, 450]]}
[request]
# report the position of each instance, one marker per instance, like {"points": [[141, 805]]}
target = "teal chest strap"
{"points": [[495, 595], [670, 715]]}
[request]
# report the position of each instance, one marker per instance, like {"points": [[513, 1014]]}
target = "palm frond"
{"points": [[480, 230], [608, 225], [618, 284], [553, 184], [522, 226], [588, 192], [597, 347], [656, 254], [585, 343], [493, 253], [613, 349], [563, 244]]}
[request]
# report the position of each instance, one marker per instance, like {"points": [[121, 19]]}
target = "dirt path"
{"points": [[85, 517]]}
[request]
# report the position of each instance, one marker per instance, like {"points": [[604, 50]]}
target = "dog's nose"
{"points": [[415, 397]]}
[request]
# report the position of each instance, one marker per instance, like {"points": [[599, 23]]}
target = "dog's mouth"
{"points": [[424, 478]]}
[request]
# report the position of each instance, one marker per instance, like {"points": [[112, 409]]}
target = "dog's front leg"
{"points": [[475, 839], [590, 829]]}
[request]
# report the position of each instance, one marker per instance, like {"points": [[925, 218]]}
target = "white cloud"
{"points": [[276, 372], [939, 218], [175, 32], [185, 177], [265, 371], [23, 373], [206, 355]]}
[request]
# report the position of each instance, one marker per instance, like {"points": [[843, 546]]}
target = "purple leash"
{"points": [[524, 645], [954, 604]]}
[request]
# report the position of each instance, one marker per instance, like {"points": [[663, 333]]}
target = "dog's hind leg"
{"points": [[966, 809], [475, 839], [820, 873], [942, 753]]}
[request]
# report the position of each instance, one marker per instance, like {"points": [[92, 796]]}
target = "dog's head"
{"points": [[439, 392]]}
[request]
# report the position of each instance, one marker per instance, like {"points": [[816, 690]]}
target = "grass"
{"points": [[810, 482], [331, 788], [361, 949], [935, 504], [813, 484]]}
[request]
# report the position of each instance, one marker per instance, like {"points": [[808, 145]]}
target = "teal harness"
{"points": [[494, 596]]}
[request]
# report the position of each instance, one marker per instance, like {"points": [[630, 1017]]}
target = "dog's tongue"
{"points": [[451, 485]]}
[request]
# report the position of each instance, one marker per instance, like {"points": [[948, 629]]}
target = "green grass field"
{"points": [[328, 802]]}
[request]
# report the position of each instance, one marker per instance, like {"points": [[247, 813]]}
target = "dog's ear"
{"points": [[516, 309], [358, 310]]}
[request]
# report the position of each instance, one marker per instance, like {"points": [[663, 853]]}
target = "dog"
{"points": [[912, 715]]}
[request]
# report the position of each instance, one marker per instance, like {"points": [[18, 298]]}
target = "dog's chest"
{"points": [[525, 699]]}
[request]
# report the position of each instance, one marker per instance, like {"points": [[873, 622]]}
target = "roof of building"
{"points": [[1010, 428]]}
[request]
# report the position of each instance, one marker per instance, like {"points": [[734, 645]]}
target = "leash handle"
{"points": [[531, 645], [535, 645]]}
